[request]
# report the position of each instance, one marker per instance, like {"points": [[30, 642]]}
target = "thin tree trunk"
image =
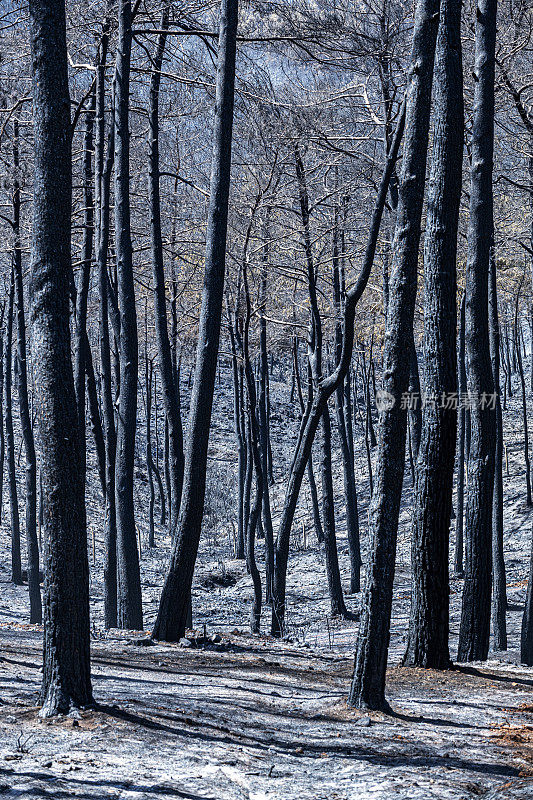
{"points": [[168, 375], [16, 566], [461, 375], [102, 169], [24, 410], [129, 581], [529, 501], [172, 614], [499, 593]]}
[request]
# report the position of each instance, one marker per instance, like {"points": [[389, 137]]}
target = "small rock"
{"points": [[364, 722], [183, 642]]}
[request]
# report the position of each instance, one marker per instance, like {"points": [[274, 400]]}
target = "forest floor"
{"points": [[238, 716]]}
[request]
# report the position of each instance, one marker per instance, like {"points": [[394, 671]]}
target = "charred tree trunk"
{"points": [[16, 565], [32, 543], [102, 168], [474, 629], [461, 450], [427, 644], [66, 667], [344, 425], [368, 683], [172, 614], [129, 580], [499, 593], [168, 374]]}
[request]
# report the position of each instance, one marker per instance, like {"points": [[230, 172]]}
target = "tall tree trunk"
{"points": [[474, 629], [529, 501], [66, 663], [429, 620], [461, 450], [129, 581], [172, 614], [168, 374], [344, 422], [102, 169], [81, 344], [368, 683], [16, 566], [499, 593], [32, 543], [264, 421]]}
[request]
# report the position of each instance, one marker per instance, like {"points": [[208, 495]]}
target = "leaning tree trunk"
{"points": [[129, 580], [368, 683], [168, 375], [474, 629], [24, 410], [427, 644], [66, 667], [172, 614]]}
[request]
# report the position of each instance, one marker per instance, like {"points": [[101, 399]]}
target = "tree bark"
{"points": [[499, 593], [430, 595], [368, 683], [474, 629], [129, 581], [172, 614], [168, 375], [102, 168], [32, 543], [66, 667], [16, 565]]}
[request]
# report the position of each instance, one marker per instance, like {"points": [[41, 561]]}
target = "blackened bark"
{"points": [[81, 344], [16, 566], [172, 614], [129, 581], [415, 408], [368, 683], [264, 421], [499, 593], [317, 522], [474, 629], [66, 668], [461, 449], [520, 365], [32, 544], [344, 422], [168, 374], [429, 620], [102, 168], [148, 376], [240, 435]]}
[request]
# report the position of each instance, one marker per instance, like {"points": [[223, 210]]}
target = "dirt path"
{"points": [[260, 720]]}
